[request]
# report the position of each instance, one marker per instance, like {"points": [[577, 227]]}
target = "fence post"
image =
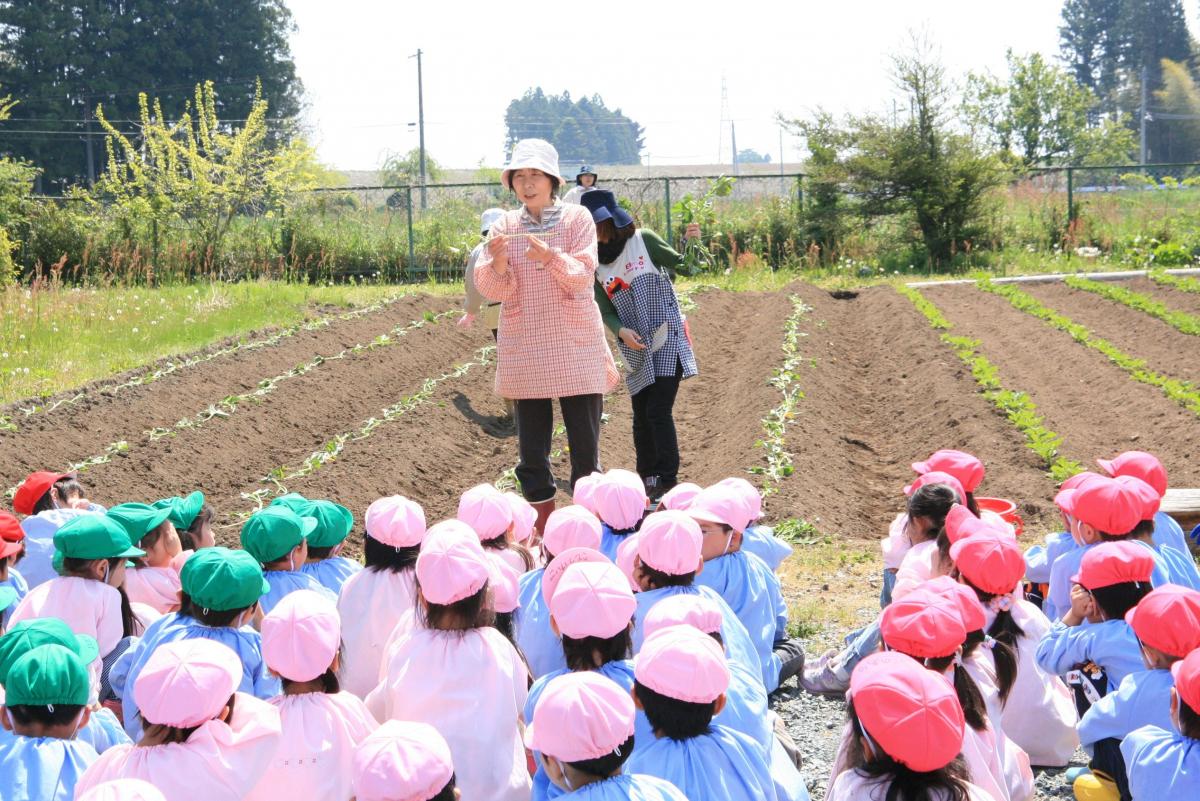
{"points": [[154, 244], [667, 195], [1070, 196], [412, 250], [800, 192]]}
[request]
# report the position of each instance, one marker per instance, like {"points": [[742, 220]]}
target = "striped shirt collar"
{"points": [[550, 217]]}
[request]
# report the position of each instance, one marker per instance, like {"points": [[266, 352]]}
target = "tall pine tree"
{"points": [[61, 59], [1090, 45]]}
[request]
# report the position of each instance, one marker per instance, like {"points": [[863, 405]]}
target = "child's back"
{"points": [[42, 768], [371, 603], [721, 764], [1040, 714]]}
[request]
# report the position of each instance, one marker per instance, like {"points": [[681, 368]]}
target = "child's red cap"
{"points": [[10, 528], [991, 561], [1106, 504], [33, 488], [1186, 673], [923, 625], [1112, 563], [963, 466], [1150, 499], [1168, 619], [1140, 464], [974, 617]]}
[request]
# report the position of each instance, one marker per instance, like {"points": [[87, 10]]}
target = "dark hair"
{"points": [[1117, 599], [659, 579], [503, 623], [969, 698], [501, 543], [1007, 634], [148, 541], [1144, 528], [469, 613], [79, 569], [932, 501], [66, 487], [172, 734], [582, 654], [1106, 537], [380, 557], [322, 552], [949, 783], [329, 683], [971, 503], [447, 792], [216, 618], [615, 240], [187, 537], [1189, 720], [678, 720], [607, 765], [41, 714], [555, 183]]}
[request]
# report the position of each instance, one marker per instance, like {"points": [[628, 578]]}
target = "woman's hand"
{"points": [[631, 339], [692, 231], [498, 249], [465, 321], [538, 250]]}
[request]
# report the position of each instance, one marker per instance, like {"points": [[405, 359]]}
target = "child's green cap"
{"points": [[94, 537], [294, 501], [138, 519], [183, 511], [334, 523], [45, 676], [271, 533], [28, 634], [222, 579]]}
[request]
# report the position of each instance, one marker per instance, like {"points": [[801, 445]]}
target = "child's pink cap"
{"points": [[627, 553], [990, 560], [909, 711], [396, 521], [571, 527], [723, 505], [963, 466], [301, 635], [484, 509], [559, 564], [592, 599], [1140, 464], [581, 716], [503, 581], [1186, 673], [523, 516], [974, 617], [584, 492], [683, 663], [1150, 499], [1112, 563], [1106, 504], [1168, 619], [1077, 479], [937, 477], [451, 565], [620, 499], [670, 542], [923, 625], [684, 609], [187, 682], [124, 790], [748, 492], [402, 761], [679, 496]]}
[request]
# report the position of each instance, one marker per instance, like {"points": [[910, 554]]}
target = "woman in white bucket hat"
{"points": [[540, 262]]}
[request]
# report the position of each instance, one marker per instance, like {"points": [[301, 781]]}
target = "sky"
{"points": [[661, 63]]}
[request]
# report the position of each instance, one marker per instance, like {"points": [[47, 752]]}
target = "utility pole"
{"points": [[733, 143], [1142, 115], [421, 124]]}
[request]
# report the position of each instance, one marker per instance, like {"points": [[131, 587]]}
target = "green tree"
{"points": [[583, 131], [1180, 98], [751, 156], [826, 214], [62, 58], [1090, 45], [405, 168]]}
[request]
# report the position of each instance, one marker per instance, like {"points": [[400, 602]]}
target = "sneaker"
{"points": [[823, 679], [1092, 787]]}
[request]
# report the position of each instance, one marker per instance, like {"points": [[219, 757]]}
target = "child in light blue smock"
{"points": [[758, 539], [221, 591], [1164, 763], [1113, 577], [324, 563], [619, 499], [681, 680], [278, 538], [1148, 468], [48, 500], [45, 705]]}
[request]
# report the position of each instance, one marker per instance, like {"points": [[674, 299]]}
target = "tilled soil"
{"points": [[1176, 299]]}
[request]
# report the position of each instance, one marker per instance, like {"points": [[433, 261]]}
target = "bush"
{"points": [[1171, 254]]}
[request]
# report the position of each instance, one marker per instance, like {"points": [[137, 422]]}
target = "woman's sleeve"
{"points": [[574, 267], [608, 312], [662, 254], [489, 284]]}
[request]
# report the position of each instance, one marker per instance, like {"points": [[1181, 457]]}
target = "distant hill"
{"points": [[452, 176]]}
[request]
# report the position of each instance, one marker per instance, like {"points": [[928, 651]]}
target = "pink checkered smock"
{"points": [[551, 338]]}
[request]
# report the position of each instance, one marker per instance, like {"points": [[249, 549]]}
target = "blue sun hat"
{"points": [[603, 205]]}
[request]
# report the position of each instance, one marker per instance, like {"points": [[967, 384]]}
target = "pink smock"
{"points": [[471, 686], [851, 785], [88, 606], [920, 565], [156, 587], [895, 545], [981, 666], [315, 758], [512, 558], [219, 762], [371, 604]]}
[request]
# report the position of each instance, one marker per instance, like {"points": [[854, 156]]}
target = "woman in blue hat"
{"points": [[637, 302], [585, 181]]}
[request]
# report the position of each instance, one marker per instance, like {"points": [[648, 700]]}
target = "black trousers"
{"points": [[654, 437], [1107, 758], [535, 430]]}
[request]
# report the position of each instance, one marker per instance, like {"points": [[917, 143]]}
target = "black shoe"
{"points": [[656, 487]]}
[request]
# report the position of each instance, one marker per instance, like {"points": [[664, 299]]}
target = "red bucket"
{"points": [[1006, 509]]}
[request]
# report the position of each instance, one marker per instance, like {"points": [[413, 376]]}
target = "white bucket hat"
{"points": [[488, 219], [532, 154]]}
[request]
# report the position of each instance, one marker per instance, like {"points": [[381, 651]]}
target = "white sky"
{"points": [[660, 62]]}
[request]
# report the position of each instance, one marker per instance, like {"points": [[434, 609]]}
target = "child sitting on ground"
{"points": [[485, 509], [619, 498], [154, 580], [48, 500], [324, 561], [404, 760], [278, 538], [759, 540], [1165, 763]]}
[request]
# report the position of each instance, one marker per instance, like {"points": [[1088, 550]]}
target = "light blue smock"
{"points": [[531, 627], [1058, 598], [762, 542], [19, 585], [332, 573], [753, 593], [1142, 699], [283, 582], [722, 764], [245, 642], [1167, 531], [36, 564], [1040, 558], [610, 541], [1181, 568], [1111, 644], [737, 641], [101, 732], [628, 787], [42, 768], [1162, 765]]}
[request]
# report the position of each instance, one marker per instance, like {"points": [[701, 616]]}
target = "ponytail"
{"points": [[969, 698], [1003, 657], [949, 783]]}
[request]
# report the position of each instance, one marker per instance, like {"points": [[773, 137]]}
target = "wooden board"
{"points": [[1184, 506]]}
